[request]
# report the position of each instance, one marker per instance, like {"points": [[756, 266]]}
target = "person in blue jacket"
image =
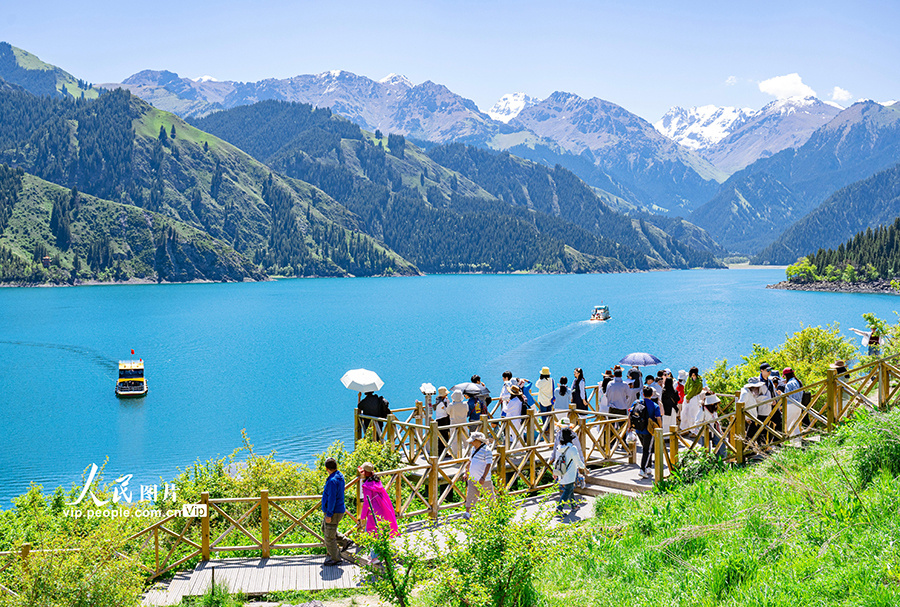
{"points": [[334, 509]]}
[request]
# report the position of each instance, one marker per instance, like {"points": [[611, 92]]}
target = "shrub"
{"points": [[877, 437], [693, 466]]}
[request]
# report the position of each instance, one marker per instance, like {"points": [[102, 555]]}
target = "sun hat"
{"points": [[712, 399], [754, 382], [838, 364], [515, 390], [682, 375], [457, 396], [367, 467], [545, 370], [442, 391], [476, 436]]}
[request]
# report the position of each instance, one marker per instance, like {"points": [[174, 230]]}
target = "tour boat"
{"points": [[600, 313], [132, 383]]}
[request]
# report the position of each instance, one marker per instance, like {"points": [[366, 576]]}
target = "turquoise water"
{"points": [[268, 356]]}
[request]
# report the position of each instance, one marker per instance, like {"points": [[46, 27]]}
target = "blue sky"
{"points": [[645, 55]]}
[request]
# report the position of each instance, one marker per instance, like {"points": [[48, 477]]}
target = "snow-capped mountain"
{"points": [[509, 106], [781, 124], [732, 138], [701, 127], [396, 79]]}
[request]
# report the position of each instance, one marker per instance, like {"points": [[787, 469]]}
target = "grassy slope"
{"points": [[64, 80], [790, 531], [133, 233]]}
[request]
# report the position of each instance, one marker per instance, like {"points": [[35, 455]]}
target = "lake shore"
{"points": [[877, 287]]}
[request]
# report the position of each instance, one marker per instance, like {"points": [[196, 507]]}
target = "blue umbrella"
{"points": [[640, 359]]}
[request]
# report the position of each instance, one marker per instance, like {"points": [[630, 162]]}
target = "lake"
{"points": [[268, 357]]}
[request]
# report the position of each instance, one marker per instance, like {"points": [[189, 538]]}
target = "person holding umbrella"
{"points": [[373, 405]]}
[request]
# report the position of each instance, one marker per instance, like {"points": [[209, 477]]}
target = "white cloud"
{"points": [[839, 94], [789, 85], [731, 81]]}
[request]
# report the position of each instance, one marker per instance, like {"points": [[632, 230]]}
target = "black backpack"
{"points": [[640, 416]]}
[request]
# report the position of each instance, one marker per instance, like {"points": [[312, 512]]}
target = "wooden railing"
{"points": [[743, 432], [432, 479]]}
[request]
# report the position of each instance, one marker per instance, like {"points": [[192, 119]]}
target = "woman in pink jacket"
{"points": [[376, 504]]}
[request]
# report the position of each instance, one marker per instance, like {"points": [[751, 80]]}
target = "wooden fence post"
{"points": [[485, 425], [673, 445], [389, 430], [501, 464], [529, 439], [204, 527], [264, 521], [740, 430], [434, 438], [433, 486], [884, 386], [25, 550], [356, 429], [660, 448], [830, 396], [573, 414]]}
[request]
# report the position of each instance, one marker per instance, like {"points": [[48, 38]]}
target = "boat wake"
{"points": [[546, 345], [97, 357]]}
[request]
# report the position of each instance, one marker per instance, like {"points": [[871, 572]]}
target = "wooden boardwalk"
{"points": [[255, 577]]}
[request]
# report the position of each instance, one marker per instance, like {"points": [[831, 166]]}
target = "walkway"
{"points": [[256, 577]]}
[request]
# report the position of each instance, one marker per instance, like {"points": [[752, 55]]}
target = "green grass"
{"points": [[798, 529]]}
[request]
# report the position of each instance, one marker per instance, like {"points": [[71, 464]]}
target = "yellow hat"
{"points": [[545, 371], [442, 391]]}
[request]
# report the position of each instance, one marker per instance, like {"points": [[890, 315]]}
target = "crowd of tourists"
{"points": [[641, 402]]}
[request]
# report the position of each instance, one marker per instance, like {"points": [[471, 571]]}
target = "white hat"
{"points": [[754, 382], [457, 396], [682, 375], [712, 399], [476, 436]]}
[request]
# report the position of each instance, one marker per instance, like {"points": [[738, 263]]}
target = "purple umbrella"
{"points": [[640, 359]]}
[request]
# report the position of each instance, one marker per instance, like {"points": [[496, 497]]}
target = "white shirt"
{"points": [[440, 408], [459, 412], [545, 392], [480, 461], [513, 408], [574, 461]]}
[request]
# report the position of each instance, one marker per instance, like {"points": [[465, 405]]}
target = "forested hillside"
{"points": [[49, 233], [865, 204], [455, 200], [869, 256], [121, 149]]}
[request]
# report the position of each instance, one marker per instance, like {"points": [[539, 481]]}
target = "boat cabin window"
{"points": [[130, 373]]}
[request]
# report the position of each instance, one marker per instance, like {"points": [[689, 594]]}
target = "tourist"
{"points": [[504, 392], [514, 408], [618, 394], [692, 387], [333, 509], [607, 379], [478, 470], [707, 420], [484, 398], [459, 413], [635, 382], [653, 383], [442, 417], [769, 391], [562, 396], [373, 405], [669, 404], [560, 426], [749, 396], [871, 340], [840, 369], [376, 506], [579, 397], [642, 416], [566, 464], [793, 404], [679, 386], [545, 395]]}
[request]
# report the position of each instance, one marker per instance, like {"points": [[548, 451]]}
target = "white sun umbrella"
{"points": [[362, 380]]}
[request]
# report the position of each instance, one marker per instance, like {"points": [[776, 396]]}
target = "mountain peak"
{"points": [[206, 78], [396, 79], [510, 105], [701, 127]]}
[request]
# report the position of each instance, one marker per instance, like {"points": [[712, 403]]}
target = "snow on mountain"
{"points": [[396, 79], [205, 79], [510, 105], [701, 127]]}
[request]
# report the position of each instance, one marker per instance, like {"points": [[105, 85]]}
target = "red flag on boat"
{"points": [[132, 352]]}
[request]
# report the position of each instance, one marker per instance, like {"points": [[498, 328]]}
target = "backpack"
{"points": [[639, 416], [562, 463]]}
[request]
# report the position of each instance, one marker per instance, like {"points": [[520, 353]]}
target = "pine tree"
{"points": [[163, 137]]}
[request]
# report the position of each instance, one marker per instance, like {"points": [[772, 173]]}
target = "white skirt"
{"points": [[689, 412]]}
